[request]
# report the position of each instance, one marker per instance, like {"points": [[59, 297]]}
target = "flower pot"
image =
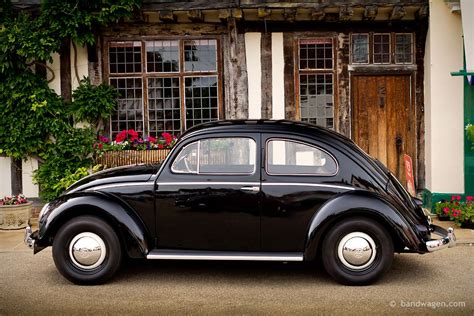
{"points": [[467, 224], [15, 216], [443, 217], [131, 157]]}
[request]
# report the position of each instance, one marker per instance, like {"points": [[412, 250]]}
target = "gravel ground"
{"points": [[31, 285]]}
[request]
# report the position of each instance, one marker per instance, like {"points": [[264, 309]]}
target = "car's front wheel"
{"points": [[86, 250], [357, 251]]}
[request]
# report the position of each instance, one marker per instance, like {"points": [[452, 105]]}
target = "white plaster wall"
{"points": [[254, 73], [5, 177], [56, 83], [82, 65], [28, 167], [278, 78], [444, 110]]}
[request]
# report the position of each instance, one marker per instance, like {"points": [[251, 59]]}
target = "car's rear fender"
{"points": [[361, 204], [122, 218]]}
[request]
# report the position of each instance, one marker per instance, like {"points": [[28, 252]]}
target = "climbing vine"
{"points": [[34, 120]]}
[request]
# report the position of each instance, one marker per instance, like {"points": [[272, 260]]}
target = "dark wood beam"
{"points": [[370, 12], [422, 12], [65, 69], [398, 12], [224, 14], [167, 16], [16, 176], [317, 14], [346, 13], [290, 14], [195, 15], [263, 13], [237, 13]]}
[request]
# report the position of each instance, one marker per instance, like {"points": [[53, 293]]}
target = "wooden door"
{"points": [[383, 119]]}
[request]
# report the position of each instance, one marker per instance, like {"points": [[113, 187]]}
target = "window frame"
{"points": [[181, 75], [351, 47], [301, 143], [392, 46], [298, 71], [412, 46], [198, 171]]}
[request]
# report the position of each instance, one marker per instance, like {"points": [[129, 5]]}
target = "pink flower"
{"points": [[446, 210], [104, 139], [469, 198], [151, 139]]}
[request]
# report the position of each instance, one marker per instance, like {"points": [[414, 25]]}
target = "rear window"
{"points": [[296, 158]]}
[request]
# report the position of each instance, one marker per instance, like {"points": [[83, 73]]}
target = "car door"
{"points": [[298, 177], [207, 196]]}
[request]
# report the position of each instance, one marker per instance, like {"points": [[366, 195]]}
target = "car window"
{"points": [[226, 155], [187, 159], [292, 157]]}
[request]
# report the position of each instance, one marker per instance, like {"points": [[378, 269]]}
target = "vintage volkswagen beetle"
{"points": [[241, 190]]}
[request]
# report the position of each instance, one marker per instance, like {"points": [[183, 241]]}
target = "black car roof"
{"points": [[280, 126]]}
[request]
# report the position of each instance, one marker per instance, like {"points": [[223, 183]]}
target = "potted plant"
{"points": [[443, 210], [467, 217], [15, 211]]}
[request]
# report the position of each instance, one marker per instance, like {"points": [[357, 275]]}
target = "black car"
{"points": [[241, 190]]}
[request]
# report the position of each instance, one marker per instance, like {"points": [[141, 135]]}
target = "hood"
{"points": [[136, 173]]}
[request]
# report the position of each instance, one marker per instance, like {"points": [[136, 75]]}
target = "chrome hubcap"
{"points": [[87, 251], [356, 251]]}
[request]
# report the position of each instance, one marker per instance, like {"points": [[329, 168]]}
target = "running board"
{"points": [[167, 254]]}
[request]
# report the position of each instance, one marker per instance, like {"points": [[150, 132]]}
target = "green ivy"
{"points": [[93, 103], [34, 120]]}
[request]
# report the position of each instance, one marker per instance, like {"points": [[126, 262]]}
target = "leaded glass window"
{"points": [[360, 48], [174, 85], [381, 48], [316, 80], [403, 48]]}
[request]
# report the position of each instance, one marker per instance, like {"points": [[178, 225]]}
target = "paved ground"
{"points": [[31, 285]]}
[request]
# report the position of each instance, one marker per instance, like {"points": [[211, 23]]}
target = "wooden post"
{"points": [[65, 69], [16, 175]]}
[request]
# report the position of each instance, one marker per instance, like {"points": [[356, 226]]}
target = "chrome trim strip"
{"points": [[209, 183], [166, 254], [118, 185], [309, 185]]}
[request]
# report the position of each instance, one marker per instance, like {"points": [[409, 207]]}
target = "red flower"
{"points": [[456, 213], [167, 136], [101, 146], [151, 139], [469, 198], [133, 134], [458, 198], [121, 136], [446, 210], [160, 146]]}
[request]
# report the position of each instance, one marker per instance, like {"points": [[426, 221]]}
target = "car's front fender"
{"points": [[361, 204], [121, 217]]}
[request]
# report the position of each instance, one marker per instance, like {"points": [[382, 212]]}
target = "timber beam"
{"points": [[195, 15], [290, 15], [422, 12], [398, 12], [318, 14], [346, 13], [370, 12], [167, 16], [263, 13]]}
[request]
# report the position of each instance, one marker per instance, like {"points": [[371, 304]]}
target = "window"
{"points": [[382, 48], [403, 48], [217, 156], [293, 158], [316, 77], [360, 48], [164, 85]]}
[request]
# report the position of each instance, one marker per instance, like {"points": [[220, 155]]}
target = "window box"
{"points": [[118, 158]]}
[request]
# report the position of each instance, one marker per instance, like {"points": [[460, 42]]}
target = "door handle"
{"points": [[250, 189]]}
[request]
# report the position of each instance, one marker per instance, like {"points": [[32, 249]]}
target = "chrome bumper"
{"points": [[29, 240], [448, 239]]}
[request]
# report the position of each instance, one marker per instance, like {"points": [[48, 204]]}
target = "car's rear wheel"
{"points": [[357, 251], [86, 250]]}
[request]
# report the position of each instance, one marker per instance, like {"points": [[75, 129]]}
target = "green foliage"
{"points": [[34, 120], [93, 103], [70, 179], [71, 150]]}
